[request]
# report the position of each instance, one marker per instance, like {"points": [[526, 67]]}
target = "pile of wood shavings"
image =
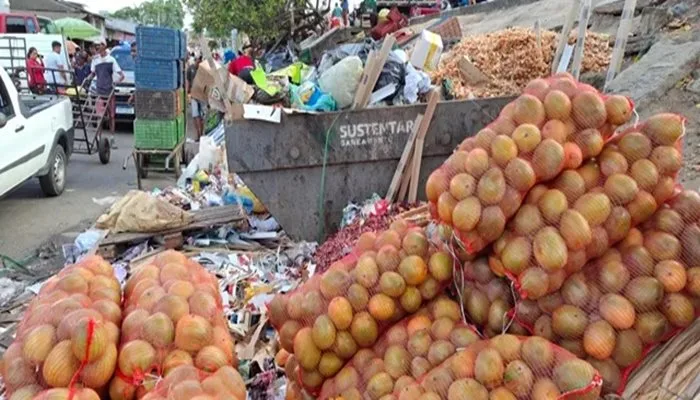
{"points": [[511, 59]]}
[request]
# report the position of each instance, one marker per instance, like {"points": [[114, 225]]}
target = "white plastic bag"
{"points": [[207, 153], [341, 80]]}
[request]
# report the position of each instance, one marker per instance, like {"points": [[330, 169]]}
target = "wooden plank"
{"points": [[620, 41], [564, 35], [201, 219], [403, 161], [470, 73], [371, 74], [584, 15], [418, 152]]}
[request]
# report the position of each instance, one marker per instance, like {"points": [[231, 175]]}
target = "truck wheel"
{"points": [[53, 183], [103, 150]]}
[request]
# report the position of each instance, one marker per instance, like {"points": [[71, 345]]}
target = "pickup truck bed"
{"points": [[34, 104]]}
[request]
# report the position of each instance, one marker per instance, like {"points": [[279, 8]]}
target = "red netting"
{"points": [[173, 316], [387, 276], [578, 216], [506, 367], [405, 352], [556, 124], [638, 294], [68, 336], [186, 382], [488, 300]]}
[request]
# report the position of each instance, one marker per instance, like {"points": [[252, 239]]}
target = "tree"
{"points": [[262, 20], [168, 13]]}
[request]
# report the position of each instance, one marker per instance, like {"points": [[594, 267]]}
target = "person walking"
{"points": [[346, 11], [35, 72], [81, 67], [199, 108], [371, 8], [55, 69], [103, 69], [337, 11]]}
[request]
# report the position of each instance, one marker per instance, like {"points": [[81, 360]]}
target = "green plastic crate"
{"points": [[158, 134]]}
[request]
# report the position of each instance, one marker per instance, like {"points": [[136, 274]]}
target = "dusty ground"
{"points": [[28, 220]]}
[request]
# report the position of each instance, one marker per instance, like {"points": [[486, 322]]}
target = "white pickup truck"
{"points": [[36, 138]]}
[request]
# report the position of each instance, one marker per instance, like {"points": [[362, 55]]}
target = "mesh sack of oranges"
{"points": [[556, 124], [584, 211], [388, 275], [507, 367], [172, 316], [638, 294], [186, 382], [68, 336], [406, 351], [488, 300]]}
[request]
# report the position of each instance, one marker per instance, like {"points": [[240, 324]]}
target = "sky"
{"points": [[101, 5]]}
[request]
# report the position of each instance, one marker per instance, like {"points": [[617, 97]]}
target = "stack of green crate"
{"points": [[158, 134], [160, 122]]}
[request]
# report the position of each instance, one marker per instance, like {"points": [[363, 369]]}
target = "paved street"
{"points": [[28, 219]]}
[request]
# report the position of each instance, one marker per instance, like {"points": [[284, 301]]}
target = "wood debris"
{"points": [[511, 58]]}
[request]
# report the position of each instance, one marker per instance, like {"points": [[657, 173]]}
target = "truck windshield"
{"points": [[124, 59]]}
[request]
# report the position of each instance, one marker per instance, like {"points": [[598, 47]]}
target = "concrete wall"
{"points": [[477, 8]]}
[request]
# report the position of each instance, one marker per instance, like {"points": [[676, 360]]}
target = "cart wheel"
{"points": [[143, 163], [104, 150]]}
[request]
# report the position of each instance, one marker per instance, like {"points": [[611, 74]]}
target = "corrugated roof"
{"points": [[121, 25], [52, 8]]}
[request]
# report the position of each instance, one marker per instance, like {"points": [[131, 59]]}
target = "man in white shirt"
{"points": [[55, 67], [103, 68]]}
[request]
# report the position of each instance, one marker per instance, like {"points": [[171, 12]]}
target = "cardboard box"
{"points": [[204, 88], [427, 51]]}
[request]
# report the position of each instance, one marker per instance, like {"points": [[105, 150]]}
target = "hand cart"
{"points": [[90, 111], [143, 157]]}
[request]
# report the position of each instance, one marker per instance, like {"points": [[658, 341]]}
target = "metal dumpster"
{"points": [[283, 163]]}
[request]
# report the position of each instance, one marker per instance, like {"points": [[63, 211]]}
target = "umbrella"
{"points": [[76, 28]]}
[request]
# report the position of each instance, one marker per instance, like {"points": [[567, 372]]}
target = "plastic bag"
{"points": [[208, 153], [309, 97], [387, 276], [638, 294], [405, 352], [585, 211], [331, 57], [173, 316], [341, 80], [68, 336], [417, 82], [507, 367], [393, 72], [555, 124]]}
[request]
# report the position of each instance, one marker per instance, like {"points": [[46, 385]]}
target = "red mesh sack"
{"points": [[555, 124], [405, 352], [507, 367], [638, 294], [488, 300], [585, 211], [186, 382], [172, 316], [68, 336], [387, 276]]}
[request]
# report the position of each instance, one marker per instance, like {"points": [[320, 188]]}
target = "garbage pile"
{"points": [[561, 222], [510, 59]]}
